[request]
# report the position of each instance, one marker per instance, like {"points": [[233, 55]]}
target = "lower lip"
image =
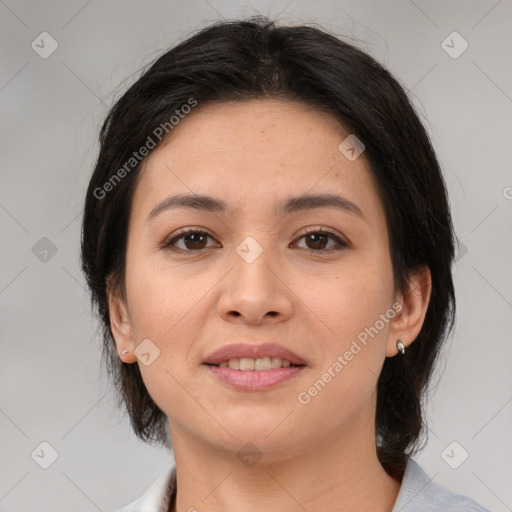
{"points": [[254, 380]]}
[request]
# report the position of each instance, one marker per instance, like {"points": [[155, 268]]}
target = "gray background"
{"points": [[51, 386]]}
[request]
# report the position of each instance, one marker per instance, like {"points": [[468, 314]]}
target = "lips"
{"points": [[288, 366], [250, 350]]}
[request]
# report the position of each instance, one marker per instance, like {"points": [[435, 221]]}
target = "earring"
{"points": [[125, 351], [400, 346]]}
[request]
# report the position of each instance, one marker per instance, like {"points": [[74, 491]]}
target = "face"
{"points": [[314, 277]]}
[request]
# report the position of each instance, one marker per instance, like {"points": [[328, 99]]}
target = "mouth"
{"points": [[254, 367], [261, 364]]}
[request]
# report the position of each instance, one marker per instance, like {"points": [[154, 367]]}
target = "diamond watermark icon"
{"points": [[147, 352], [454, 455], [454, 45], [462, 250], [44, 455], [249, 454], [44, 45], [44, 250], [351, 147], [249, 250]]}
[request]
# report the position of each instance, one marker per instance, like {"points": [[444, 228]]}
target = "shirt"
{"points": [[418, 493]]}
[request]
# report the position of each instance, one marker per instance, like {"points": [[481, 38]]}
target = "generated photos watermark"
{"points": [[304, 397], [157, 136]]}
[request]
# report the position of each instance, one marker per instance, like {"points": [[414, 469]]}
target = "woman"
{"points": [[268, 241]]}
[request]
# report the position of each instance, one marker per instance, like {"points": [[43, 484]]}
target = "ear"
{"points": [[120, 323], [407, 323]]}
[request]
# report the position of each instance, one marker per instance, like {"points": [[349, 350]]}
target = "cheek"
{"points": [[350, 298], [162, 301], [352, 337], [351, 306], [164, 308]]}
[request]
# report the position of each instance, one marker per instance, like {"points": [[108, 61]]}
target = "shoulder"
{"points": [[419, 493], [156, 498]]}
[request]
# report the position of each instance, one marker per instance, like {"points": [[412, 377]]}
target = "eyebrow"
{"points": [[291, 205]]}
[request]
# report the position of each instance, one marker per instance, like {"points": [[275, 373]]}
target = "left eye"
{"points": [[318, 240]]}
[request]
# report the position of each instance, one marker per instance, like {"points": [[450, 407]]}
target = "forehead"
{"points": [[255, 152]]}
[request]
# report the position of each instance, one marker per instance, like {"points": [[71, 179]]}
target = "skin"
{"points": [[254, 155]]}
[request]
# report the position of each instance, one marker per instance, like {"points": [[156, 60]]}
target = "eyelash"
{"points": [[168, 244]]}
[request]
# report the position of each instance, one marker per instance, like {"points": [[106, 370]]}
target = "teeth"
{"points": [[259, 364], [246, 363], [262, 363], [276, 362]]}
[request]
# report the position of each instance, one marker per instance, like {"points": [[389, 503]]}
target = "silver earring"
{"points": [[400, 346], [125, 351]]}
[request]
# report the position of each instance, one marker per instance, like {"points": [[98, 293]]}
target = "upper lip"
{"points": [[251, 350]]}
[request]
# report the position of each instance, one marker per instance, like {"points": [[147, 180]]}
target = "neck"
{"points": [[335, 469]]}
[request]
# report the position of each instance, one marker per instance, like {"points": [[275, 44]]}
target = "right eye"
{"points": [[192, 240]]}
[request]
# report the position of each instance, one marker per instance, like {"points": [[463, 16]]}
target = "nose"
{"points": [[255, 293]]}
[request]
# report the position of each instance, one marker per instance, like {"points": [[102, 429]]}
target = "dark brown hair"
{"points": [[255, 58]]}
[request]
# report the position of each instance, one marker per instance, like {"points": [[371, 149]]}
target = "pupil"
{"points": [[194, 241], [317, 238]]}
